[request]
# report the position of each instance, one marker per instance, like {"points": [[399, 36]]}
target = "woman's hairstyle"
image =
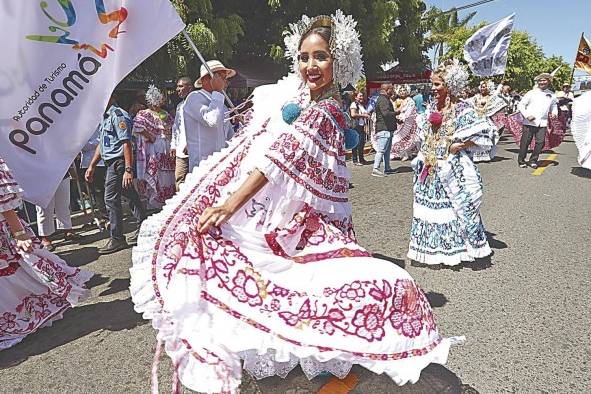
{"points": [[323, 31], [339, 31], [454, 75]]}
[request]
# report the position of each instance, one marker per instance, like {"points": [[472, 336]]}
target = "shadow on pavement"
{"points": [[434, 379], [495, 243], [96, 280], [477, 265], [77, 323], [80, 256], [437, 300], [404, 170], [497, 159], [116, 286], [581, 172], [398, 262]]}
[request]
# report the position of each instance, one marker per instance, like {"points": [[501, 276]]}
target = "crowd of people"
{"points": [[248, 232]]}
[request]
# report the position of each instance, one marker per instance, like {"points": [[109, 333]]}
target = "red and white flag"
{"points": [[62, 59]]}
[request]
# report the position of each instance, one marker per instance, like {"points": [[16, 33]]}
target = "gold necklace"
{"points": [[440, 138]]}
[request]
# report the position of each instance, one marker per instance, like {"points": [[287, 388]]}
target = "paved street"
{"points": [[525, 313]]}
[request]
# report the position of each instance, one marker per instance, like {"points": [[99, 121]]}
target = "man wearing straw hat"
{"points": [[204, 114], [535, 107]]}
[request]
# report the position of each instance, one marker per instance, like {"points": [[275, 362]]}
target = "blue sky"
{"points": [[556, 25]]}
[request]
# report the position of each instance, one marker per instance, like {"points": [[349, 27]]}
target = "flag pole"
{"points": [[200, 56], [572, 74]]}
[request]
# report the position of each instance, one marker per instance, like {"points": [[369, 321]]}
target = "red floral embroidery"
{"points": [[408, 312], [369, 322], [246, 289]]}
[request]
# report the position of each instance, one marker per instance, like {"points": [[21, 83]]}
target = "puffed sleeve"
{"points": [[471, 127], [308, 159], [10, 191]]}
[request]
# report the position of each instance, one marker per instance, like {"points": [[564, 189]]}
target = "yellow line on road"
{"points": [[338, 386], [540, 170]]}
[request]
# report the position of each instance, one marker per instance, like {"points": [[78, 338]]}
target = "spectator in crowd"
{"points": [[155, 166], [97, 186], [565, 101], [178, 144], [204, 112], [116, 150], [59, 206], [535, 107], [385, 127], [359, 113], [419, 100]]}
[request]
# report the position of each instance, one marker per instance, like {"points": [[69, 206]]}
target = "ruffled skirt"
{"points": [[243, 295], [35, 289], [446, 225]]}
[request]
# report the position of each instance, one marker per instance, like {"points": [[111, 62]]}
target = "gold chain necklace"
{"points": [[441, 137]]}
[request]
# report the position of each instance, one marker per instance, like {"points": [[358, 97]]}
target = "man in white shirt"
{"points": [[178, 144], [535, 106], [204, 112]]}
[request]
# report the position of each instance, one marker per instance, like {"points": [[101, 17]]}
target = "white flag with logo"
{"points": [[62, 59], [486, 51]]}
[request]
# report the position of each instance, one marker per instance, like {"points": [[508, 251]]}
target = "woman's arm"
{"points": [[23, 240], [455, 148], [215, 216]]}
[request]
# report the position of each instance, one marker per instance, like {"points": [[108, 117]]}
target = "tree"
{"points": [[443, 27], [525, 59], [238, 31], [409, 45]]}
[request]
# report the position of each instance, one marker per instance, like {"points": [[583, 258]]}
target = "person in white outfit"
{"points": [[535, 107], [203, 115], [59, 206], [178, 144]]}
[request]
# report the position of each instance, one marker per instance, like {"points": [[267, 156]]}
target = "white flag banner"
{"points": [[486, 51], [62, 59]]}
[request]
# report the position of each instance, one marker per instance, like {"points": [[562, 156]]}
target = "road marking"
{"points": [[340, 386], [540, 170]]}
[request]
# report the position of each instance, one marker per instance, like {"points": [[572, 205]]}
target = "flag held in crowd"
{"points": [[63, 58], [486, 51], [583, 61]]}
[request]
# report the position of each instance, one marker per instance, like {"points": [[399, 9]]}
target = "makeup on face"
{"points": [[315, 63]]}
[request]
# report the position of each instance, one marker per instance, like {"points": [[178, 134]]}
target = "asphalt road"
{"points": [[525, 312]]}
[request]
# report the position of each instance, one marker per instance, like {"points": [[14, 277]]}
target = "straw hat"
{"points": [[547, 76], [214, 65]]}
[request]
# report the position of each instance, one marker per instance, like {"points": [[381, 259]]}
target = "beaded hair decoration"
{"points": [[154, 96], [345, 46], [455, 76]]}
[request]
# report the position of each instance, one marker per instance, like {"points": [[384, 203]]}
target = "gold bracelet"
{"points": [[19, 233]]}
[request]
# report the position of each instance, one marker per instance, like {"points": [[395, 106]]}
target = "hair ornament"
{"points": [[345, 46], [455, 75], [154, 96]]}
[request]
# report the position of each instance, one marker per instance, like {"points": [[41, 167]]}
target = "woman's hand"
{"points": [[456, 148], [149, 137], [214, 216], [24, 244]]}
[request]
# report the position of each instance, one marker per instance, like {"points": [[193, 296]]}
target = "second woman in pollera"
{"points": [[446, 225]]}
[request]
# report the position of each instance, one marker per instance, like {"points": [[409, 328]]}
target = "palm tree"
{"points": [[441, 26]]}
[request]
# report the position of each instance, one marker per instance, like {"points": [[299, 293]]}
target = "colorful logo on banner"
{"points": [[62, 27], [75, 81]]}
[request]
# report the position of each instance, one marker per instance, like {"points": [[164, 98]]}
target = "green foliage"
{"points": [[526, 59], [443, 27], [238, 30]]}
